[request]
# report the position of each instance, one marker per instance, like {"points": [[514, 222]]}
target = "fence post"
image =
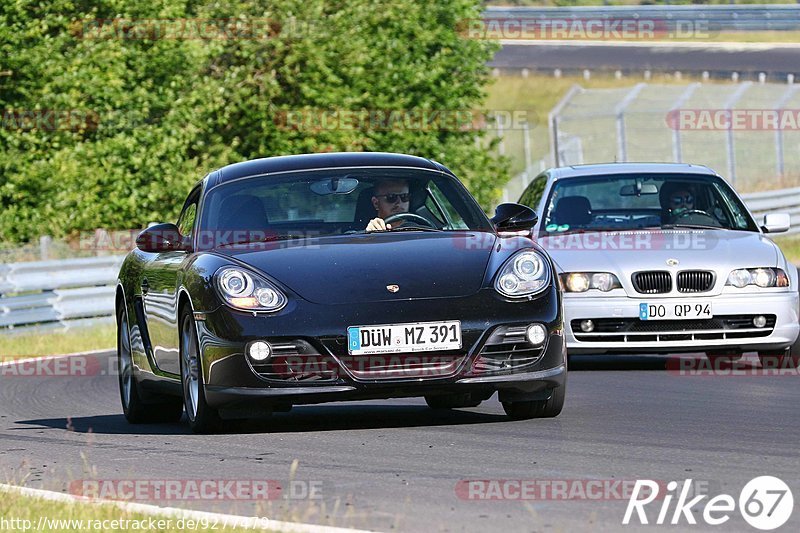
{"points": [[501, 146], [784, 99], [622, 143], [526, 141], [737, 94], [552, 121], [677, 149], [44, 247]]}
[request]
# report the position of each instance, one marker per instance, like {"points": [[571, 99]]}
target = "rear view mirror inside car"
{"points": [[643, 188], [334, 185]]}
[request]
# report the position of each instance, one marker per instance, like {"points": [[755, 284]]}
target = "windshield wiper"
{"points": [[690, 226], [417, 228]]}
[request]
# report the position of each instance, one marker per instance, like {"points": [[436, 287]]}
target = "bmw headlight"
{"points": [[583, 281], [524, 274], [245, 290], [762, 277]]}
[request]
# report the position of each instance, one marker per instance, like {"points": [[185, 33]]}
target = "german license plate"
{"points": [[675, 310], [397, 338]]}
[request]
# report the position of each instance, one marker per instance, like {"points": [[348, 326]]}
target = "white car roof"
{"points": [[630, 168]]}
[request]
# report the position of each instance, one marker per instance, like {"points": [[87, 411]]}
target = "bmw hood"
{"points": [[624, 253], [373, 267]]}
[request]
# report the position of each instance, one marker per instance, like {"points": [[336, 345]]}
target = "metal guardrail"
{"points": [[717, 17], [50, 295], [780, 201], [57, 294]]}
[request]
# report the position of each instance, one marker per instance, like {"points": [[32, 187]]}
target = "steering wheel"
{"points": [[697, 212], [690, 212], [411, 217]]}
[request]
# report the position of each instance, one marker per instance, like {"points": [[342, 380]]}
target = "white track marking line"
{"points": [[174, 512], [23, 359]]}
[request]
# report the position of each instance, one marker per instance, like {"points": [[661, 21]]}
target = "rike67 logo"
{"points": [[765, 502]]}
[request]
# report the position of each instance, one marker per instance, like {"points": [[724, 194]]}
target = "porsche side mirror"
{"points": [[514, 217], [776, 223], [161, 238]]}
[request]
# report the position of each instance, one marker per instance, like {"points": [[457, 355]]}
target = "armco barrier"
{"points": [[726, 18], [781, 201], [57, 294]]}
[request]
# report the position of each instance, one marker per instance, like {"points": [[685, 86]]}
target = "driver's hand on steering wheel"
{"points": [[378, 224]]}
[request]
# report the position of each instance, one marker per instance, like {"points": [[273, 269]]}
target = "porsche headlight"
{"points": [[524, 274], [761, 277], [247, 291], [583, 281]]}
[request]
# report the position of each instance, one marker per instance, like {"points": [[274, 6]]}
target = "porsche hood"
{"points": [[374, 267]]}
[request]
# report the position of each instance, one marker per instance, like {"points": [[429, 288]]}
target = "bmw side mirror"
{"points": [[776, 223], [514, 217], [162, 238]]}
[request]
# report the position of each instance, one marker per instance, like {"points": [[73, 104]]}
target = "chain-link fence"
{"points": [[749, 132]]}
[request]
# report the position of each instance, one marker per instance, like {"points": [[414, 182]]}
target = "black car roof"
{"points": [[269, 165]]}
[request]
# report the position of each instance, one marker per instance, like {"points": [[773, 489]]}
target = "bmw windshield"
{"points": [[635, 202]]}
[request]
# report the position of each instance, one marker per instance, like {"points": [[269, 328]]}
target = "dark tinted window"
{"points": [[331, 202]]}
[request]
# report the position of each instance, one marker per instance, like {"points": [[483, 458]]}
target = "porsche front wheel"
{"points": [[202, 417], [524, 410]]}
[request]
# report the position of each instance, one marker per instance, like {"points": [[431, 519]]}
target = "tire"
{"points": [[136, 408], [202, 417], [526, 410], [452, 401], [777, 359]]}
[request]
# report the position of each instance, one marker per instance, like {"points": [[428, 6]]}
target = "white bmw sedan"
{"points": [[665, 258]]}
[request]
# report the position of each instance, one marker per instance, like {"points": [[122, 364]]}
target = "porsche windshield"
{"points": [[631, 202], [329, 202]]}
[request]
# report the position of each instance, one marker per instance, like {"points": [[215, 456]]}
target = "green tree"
{"points": [[151, 113]]}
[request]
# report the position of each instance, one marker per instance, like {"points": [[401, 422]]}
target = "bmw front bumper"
{"points": [[618, 329]]}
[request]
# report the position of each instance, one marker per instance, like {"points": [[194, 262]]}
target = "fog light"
{"points": [[760, 321], [536, 334], [587, 326], [260, 350]]}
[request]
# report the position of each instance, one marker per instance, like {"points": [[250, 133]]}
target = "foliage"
{"points": [[142, 115]]}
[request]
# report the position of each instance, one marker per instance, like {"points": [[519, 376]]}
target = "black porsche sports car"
{"points": [[269, 291]]}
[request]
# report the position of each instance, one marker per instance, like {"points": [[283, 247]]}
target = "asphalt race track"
{"points": [[778, 60], [395, 465]]}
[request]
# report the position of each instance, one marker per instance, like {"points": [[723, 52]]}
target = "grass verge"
{"points": [[57, 343], [26, 513]]}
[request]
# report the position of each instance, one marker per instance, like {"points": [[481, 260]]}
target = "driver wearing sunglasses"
{"points": [[680, 201], [677, 199], [391, 198]]}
